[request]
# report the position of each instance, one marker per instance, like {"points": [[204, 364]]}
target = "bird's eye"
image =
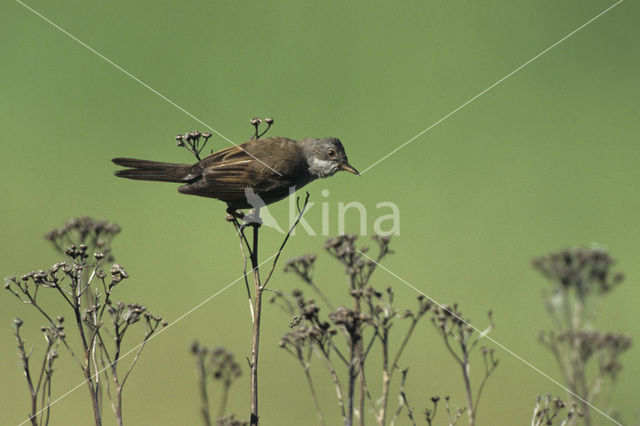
{"points": [[332, 153]]}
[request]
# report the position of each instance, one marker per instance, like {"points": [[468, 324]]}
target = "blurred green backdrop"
{"points": [[546, 160]]}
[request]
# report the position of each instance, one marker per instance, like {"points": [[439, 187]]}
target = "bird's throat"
{"points": [[322, 168]]}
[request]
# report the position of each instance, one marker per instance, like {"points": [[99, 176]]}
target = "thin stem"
{"points": [[448, 345], [488, 371], [467, 387], [403, 345], [358, 355], [404, 401], [286, 238], [337, 351], [258, 288], [336, 383], [386, 376], [24, 357], [48, 392], [118, 412], [204, 396], [86, 365], [305, 367], [141, 346], [352, 382], [371, 342], [318, 291], [262, 134], [105, 366], [255, 337], [224, 399], [243, 240]]}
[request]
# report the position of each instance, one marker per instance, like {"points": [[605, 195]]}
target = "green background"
{"points": [[546, 160]]}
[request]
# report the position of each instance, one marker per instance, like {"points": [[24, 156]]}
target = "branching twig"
{"points": [[217, 364], [259, 286], [83, 284], [581, 277], [370, 320], [454, 329], [194, 142]]}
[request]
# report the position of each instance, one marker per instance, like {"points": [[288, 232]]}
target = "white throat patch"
{"points": [[322, 168]]}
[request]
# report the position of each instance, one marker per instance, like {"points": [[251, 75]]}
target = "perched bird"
{"points": [[268, 167]]}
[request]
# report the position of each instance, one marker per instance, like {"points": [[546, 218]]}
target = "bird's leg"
{"points": [[233, 214]]}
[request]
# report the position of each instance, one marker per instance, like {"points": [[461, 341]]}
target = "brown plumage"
{"points": [[269, 167]]}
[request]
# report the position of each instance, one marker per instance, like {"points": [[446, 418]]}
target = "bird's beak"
{"points": [[349, 168]]}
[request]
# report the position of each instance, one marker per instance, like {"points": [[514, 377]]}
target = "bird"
{"points": [[267, 167]]}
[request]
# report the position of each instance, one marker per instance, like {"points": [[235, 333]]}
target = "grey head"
{"points": [[325, 157]]}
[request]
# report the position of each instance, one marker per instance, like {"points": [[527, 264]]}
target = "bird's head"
{"points": [[326, 157]]}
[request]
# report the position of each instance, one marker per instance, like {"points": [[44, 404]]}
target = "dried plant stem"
{"points": [[286, 238], [255, 307], [352, 382], [204, 395], [304, 362], [77, 280], [321, 294], [369, 320], [467, 387], [357, 359], [403, 345], [255, 336], [388, 369], [47, 385], [336, 382], [312, 389], [404, 402], [217, 364], [224, 399], [86, 362], [24, 357], [363, 387], [118, 404], [243, 241], [386, 379], [488, 369], [258, 289]]}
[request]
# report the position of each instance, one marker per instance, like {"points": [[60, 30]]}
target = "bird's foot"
{"points": [[233, 214], [252, 219]]}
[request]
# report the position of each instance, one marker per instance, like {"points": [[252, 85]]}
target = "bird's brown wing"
{"points": [[262, 165]]}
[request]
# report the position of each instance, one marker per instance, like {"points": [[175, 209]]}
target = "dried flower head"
{"points": [[94, 235], [301, 266], [549, 410], [193, 141], [582, 270]]}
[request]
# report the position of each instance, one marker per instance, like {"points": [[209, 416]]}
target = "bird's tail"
{"points": [[152, 170]]}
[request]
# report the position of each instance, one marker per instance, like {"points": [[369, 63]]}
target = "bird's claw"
{"points": [[233, 214]]}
